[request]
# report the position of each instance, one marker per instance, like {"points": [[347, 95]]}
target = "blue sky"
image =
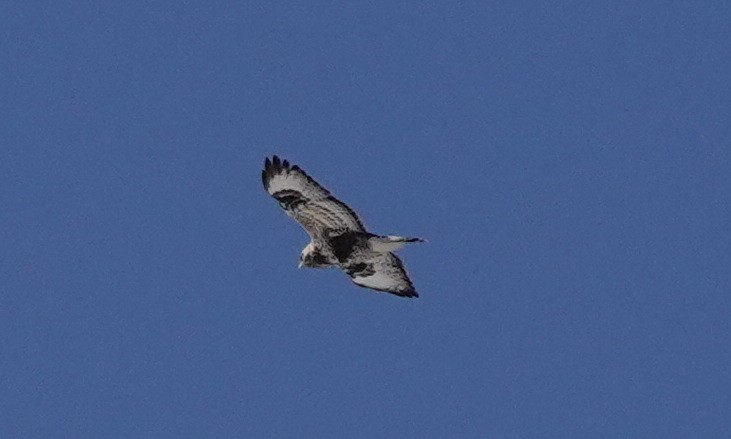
{"points": [[568, 162]]}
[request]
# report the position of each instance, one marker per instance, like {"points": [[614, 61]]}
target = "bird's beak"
{"points": [[299, 265]]}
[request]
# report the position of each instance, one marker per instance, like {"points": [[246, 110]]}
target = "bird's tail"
{"points": [[389, 243]]}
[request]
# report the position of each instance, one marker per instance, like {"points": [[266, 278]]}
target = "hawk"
{"points": [[337, 236]]}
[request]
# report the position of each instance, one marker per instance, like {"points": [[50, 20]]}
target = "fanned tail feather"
{"points": [[389, 243]]}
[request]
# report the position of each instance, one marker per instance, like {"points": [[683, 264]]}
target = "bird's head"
{"points": [[306, 256]]}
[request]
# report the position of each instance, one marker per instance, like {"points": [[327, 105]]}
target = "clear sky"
{"points": [[569, 163]]}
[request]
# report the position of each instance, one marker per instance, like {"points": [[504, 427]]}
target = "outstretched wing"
{"points": [[305, 200], [384, 272]]}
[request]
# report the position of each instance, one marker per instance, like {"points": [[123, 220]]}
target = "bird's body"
{"points": [[338, 237]]}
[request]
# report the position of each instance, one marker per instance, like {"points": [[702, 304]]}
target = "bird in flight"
{"points": [[337, 236]]}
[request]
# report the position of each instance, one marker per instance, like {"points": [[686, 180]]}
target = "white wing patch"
{"points": [[283, 177], [384, 272]]}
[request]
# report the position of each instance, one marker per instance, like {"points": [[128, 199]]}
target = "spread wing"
{"points": [[305, 200], [384, 272]]}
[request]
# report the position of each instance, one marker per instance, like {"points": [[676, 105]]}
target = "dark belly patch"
{"points": [[343, 245]]}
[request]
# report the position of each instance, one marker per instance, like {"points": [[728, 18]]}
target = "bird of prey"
{"points": [[337, 236]]}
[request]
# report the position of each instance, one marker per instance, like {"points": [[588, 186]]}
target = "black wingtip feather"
{"points": [[273, 167], [410, 294], [276, 165]]}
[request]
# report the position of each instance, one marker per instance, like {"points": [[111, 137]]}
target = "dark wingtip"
{"points": [[276, 164], [271, 167], [409, 294]]}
